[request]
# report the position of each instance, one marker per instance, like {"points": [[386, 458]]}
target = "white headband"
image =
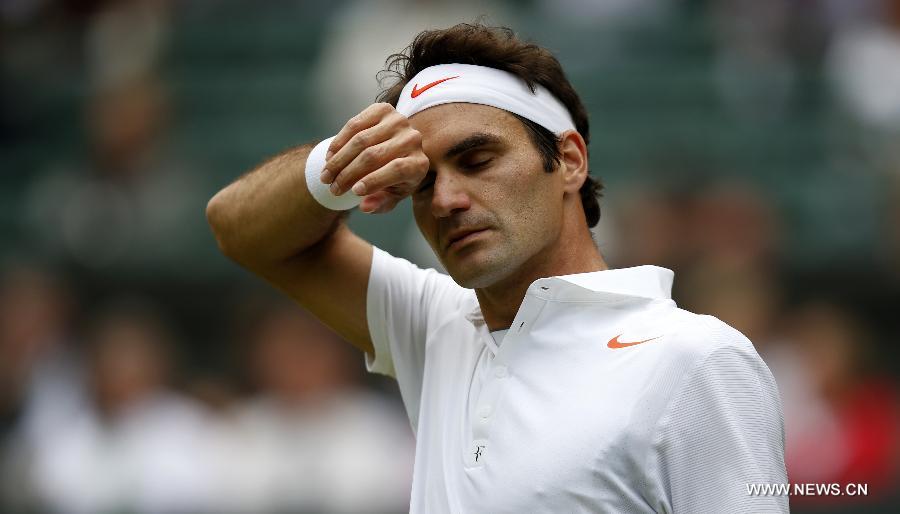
{"points": [[467, 83]]}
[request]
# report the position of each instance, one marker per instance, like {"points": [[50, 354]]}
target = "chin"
{"points": [[478, 275]]}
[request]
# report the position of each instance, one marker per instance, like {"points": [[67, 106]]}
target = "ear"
{"points": [[573, 161]]}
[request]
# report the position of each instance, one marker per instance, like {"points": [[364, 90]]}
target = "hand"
{"points": [[378, 155]]}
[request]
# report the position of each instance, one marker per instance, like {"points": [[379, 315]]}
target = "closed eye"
{"points": [[479, 164]]}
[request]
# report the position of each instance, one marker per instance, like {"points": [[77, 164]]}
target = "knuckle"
{"points": [[398, 166], [370, 155], [398, 120], [412, 168], [364, 156], [361, 139], [411, 164], [415, 137]]}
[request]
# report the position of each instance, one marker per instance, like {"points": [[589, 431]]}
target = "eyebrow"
{"points": [[474, 141]]}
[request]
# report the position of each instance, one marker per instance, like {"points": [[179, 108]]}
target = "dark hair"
{"points": [[498, 47]]}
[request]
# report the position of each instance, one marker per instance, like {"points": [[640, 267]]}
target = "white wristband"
{"points": [[322, 192]]}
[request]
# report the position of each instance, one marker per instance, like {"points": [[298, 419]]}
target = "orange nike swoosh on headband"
{"points": [[416, 91], [614, 342]]}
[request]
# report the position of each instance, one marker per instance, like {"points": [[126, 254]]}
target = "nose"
{"points": [[448, 195]]}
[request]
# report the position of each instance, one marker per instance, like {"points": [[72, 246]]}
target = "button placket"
{"points": [[485, 406], [484, 401], [493, 374]]}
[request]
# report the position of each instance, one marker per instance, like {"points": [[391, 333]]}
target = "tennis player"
{"points": [[535, 378]]}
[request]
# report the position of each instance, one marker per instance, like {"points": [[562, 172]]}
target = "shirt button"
{"points": [[501, 372], [485, 411]]}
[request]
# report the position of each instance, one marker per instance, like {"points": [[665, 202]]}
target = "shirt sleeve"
{"points": [[403, 305], [723, 431]]}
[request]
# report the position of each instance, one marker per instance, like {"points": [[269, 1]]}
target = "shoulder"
{"points": [[387, 267], [708, 362], [404, 285], [697, 339], [718, 374]]}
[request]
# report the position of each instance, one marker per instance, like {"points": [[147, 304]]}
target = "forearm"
{"points": [[268, 215]]}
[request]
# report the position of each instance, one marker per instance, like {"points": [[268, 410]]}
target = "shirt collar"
{"points": [[650, 282]]}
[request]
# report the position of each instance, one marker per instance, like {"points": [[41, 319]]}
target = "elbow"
{"points": [[217, 215]]}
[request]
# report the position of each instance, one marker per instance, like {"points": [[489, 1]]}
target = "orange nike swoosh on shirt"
{"points": [[416, 91], [614, 342]]}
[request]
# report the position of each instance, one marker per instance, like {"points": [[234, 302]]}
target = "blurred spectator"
{"points": [[125, 41], [733, 226], [135, 203], [842, 418], [731, 237], [138, 446], [34, 335], [720, 238], [39, 373], [864, 67], [651, 227], [312, 439]]}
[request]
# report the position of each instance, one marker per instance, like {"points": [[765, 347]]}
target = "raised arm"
{"points": [[268, 222]]}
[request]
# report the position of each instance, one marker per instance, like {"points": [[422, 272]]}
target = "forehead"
{"points": [[444, 125]]}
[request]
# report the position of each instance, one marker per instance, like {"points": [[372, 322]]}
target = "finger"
{"points": [[371, 136], [373, 201], [373, 158], [402, 173], [369, 117]]}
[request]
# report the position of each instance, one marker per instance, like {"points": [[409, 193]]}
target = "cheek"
{"points": [[531, 205]]}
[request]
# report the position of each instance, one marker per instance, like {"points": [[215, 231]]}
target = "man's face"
{"points": [[487, 207]]}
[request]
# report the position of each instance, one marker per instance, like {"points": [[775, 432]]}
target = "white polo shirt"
{"points": [[602, 397]]}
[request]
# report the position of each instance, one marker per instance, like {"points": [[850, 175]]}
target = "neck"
{"points": [[568, 254]]}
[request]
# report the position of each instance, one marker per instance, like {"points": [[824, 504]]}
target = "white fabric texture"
{"points": [[559, 419], [498, 335], [315, 162], [467, 83]]}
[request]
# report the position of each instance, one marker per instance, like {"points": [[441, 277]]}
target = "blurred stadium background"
{"points": [[753, 147]]}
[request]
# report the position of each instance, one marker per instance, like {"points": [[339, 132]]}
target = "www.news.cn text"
{"points": [[808, 489]]}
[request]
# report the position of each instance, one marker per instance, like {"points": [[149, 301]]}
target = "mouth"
{"points": [[459, 238]]}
